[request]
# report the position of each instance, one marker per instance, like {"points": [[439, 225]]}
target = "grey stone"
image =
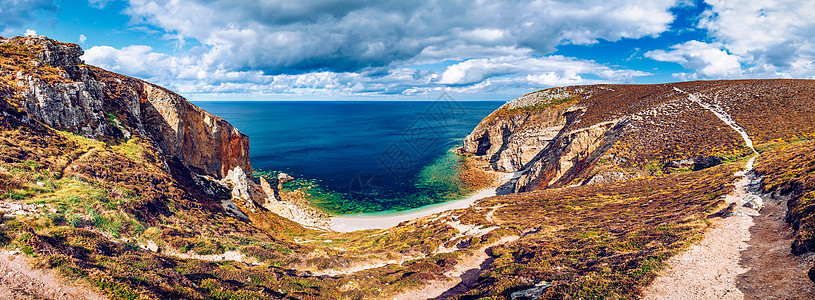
{"points": [[753, 201], [532, 293]]}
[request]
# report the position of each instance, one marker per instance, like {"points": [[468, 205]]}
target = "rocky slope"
{"points": [[603, 133], [46, 81], [60, 91]]}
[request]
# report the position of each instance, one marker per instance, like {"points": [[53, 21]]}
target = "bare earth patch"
{"points": [[18, 280], [774, 272], [464, 275], [746, 255]]}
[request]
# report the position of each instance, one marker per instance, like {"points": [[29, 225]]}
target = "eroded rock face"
{"points": [[573, 153], [535, 134], [104, 105], [74, 106], [204, 142], [242, 196], [52, 86], [250, 197], [58, 54], [510, 143]]}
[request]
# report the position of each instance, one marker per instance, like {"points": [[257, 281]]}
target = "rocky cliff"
{"points": [[602, 133], [45, 81], [50, 83]]}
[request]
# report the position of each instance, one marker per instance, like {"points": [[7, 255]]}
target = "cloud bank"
{"points": [[379, 47], [749, 39]]}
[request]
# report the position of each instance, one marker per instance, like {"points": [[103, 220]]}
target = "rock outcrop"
{"points": [[48, 82], [534, 135], [604, 133], [511, 141], [60, 91], [250, 197]]}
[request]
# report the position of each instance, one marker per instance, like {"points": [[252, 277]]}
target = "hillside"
{"points": [[128, 189]]}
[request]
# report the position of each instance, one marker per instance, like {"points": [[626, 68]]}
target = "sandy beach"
{"points": [[382, 220]]}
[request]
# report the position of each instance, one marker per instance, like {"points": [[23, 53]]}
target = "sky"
{"points": [[420, 50]]}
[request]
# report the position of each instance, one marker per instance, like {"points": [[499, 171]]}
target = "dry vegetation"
{"points": [[598, 241]]}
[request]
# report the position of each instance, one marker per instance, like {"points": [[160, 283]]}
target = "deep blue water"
{"points": [[348, 146]]}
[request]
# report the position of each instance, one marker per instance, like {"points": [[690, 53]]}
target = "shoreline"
{"points": [[388, 219]]}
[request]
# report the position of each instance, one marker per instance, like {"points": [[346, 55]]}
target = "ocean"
{"points": [[359, 156]]}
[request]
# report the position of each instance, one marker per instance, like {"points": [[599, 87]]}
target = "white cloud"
{"points": [[281, 37], [29, 32], [82, 38], [194, 74], [709, 60], [100, 4], [751, 38], [485, 35], [548, 71], [353, 47]]}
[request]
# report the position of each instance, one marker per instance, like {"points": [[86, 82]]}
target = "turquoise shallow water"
{"points": [[363, 155]]}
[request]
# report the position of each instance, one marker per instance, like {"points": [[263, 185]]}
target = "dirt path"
{"points": [[746, 255], [773, 271], [708, 269], [464, 275], [19, 281]]}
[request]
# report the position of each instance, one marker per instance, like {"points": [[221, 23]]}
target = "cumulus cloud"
{"points": [[283, 37], [82, 38], [767, 38], [19, 12], [354, 47], [192, 74], [548, 71], [709, 60]]}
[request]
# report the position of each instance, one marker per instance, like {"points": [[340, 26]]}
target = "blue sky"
{"points": [[418, 50]]}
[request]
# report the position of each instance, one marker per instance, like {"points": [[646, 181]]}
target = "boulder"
{"points": [[531, 293], [695, 163], [241, 187], [283, 178], [753, 201]]}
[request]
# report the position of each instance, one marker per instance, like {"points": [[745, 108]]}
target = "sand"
{"points": [[383, 220]]}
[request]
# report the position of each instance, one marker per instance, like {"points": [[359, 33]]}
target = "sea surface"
{"points": [[359, 156]]}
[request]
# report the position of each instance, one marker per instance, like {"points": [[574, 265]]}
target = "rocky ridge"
{"points": [[604, 133], [100, 104], [51, 84]]}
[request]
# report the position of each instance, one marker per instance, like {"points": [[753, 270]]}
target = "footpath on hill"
{"points": [[18, 280], [746, 254]]}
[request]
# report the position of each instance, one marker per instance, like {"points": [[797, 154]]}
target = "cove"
{"points": [[360, 156]]}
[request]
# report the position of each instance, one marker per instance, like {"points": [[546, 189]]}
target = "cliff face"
{"points": [[45, 81], [53, 86], [603, 133], [511, 137]]}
